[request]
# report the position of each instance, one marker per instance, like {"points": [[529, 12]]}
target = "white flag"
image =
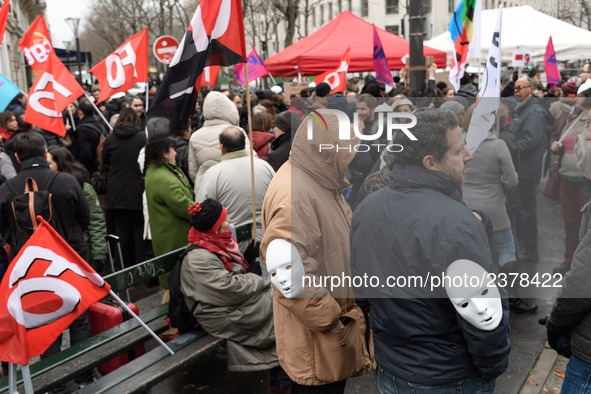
{"points": [[489, 94]]}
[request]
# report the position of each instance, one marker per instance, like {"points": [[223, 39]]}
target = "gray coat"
{"points": [[488, 176], [233, 305], [572, 308]]}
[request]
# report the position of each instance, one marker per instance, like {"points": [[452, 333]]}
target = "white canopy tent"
{"points": [[527, 29]]}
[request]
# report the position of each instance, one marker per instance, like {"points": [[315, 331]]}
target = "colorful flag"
{"points": [[3, 18], [36, 44], [488, 100], [127, 65], [53, 90], [464, 28], [380, 63], [214, 37], [256, 68], [47, 286], [210, 75], [8, 91], [550, 65], [337, 78]]}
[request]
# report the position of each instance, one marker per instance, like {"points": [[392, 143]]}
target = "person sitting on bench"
{"points": [[226, 301]]}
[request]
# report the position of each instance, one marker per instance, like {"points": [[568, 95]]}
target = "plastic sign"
{"points": [[521, 58]]}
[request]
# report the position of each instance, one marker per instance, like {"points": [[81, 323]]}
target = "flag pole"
{"points": [[147, 96], [152, 333], [12, 378], [27, 379], [254, 210], [71, 118], [98, 111], [271, 76]]}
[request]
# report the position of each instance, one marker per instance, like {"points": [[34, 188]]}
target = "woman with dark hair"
{"points": [[168, 194], [226, 301], [61, 159], [269, 107], [8, 125], [124, 197]]}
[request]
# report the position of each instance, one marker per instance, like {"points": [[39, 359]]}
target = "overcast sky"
{"points": [[58, 11]]}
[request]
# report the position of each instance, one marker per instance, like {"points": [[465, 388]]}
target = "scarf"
{"points": [[222, 245]]}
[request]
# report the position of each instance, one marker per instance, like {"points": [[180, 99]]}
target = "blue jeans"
{"points": [[391, 384], [527, 216], [577, 379], [504, 246]]}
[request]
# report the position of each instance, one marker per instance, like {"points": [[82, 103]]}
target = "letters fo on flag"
{"points": [[36, 44], [214, 37], [53, 90], [4, 18], [127, 65], [380, 62], [337, 78], [46, 287], [256, 68], [488, 100], [550, 64], [464, 29], [8, 91]]}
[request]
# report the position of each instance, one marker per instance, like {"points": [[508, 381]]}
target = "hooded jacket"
{"points": [[88, 133], [120, 153], [418, 226], [280, 149], [204, 145], [304, 205]]}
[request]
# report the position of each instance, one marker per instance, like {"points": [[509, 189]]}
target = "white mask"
{"points": [[476, 296], [285, 267]]}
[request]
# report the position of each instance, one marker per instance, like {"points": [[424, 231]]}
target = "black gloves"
{"points": [[250, 255]]}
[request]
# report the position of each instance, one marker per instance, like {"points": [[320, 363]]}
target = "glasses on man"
{"points": [[519, 88]]}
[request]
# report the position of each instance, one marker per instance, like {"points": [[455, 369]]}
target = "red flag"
{"points": [[47, 286], [53, 90], [127, 65], [337, 78], [214, 37], [3, 18], [36, 44], [210, 75]]}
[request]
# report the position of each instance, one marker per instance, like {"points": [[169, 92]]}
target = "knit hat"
{"points": [[208, 216], [338, 101], [276, 89], [288, 121], [570, 88], [322, 89]]}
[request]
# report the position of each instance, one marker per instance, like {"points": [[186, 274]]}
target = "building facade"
{"points": [[12, 61]]}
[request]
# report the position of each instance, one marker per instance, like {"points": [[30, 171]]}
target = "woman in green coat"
{"points": [[169, 194]]}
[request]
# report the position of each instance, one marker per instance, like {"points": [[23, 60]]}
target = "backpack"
{"points": [[26, 206], [179, 315]]}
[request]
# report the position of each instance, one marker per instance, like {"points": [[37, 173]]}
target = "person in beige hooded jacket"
{"points": [[204, 145], [323, 337]]}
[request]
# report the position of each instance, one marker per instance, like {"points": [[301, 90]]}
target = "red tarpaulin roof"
{"points": [[322, 50]]}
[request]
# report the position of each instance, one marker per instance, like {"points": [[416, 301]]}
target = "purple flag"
{"points": [[256, 68], [380, 63], [552, 73]]}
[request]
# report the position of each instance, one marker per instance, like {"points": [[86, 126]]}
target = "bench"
{"points": [[139, 374]]}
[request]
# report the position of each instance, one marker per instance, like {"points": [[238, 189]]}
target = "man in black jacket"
{"points": [[88, 136], [415, 229], [71, 211]]}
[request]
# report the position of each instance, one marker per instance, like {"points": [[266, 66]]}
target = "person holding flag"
{"points": [[71, 217]]}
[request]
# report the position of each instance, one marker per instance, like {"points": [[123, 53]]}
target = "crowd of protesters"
{"points": [[140, 189]]}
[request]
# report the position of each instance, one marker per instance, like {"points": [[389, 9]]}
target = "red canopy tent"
{"points": [[322, 50]]}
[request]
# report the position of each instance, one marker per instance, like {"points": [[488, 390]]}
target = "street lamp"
{"points": [[67, 46], [74, 22]]}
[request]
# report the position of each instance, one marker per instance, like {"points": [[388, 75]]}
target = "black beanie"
{"points": [[209, 214], [288, 121], [322, 89]]}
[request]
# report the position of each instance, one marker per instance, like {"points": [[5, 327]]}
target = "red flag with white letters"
{"points": [[36, 44], [47, 286], [53, 90], [127, 65], [337, 78]]}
